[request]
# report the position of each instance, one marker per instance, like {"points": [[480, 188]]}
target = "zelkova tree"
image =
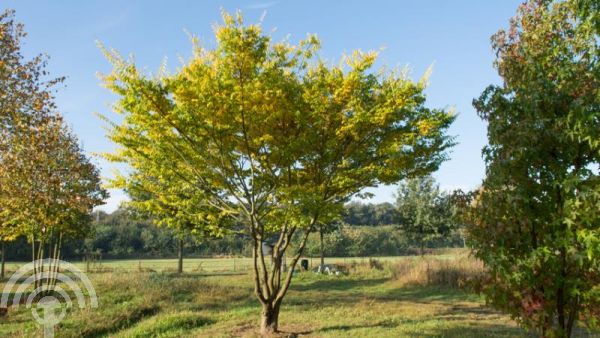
{"points": [[266, 135], [535, 220]]}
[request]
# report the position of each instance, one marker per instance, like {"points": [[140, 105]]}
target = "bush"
{"points": [[359, 241]]}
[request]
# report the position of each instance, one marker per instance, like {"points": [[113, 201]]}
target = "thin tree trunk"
{"points": [[2, 269], [57, 258], [33, 256], [40, 264], [322, 249], [421, 239], [180, 256], [560, 309], [560, 295], [51, 263], [572, 318]]}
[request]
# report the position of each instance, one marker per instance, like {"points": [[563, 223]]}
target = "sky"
{"points": [[452, 35]]}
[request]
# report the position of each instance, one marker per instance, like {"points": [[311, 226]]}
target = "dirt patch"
{"points": [[248, 330]]}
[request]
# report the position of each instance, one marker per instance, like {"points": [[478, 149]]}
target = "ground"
{"points": [[143, 301]]}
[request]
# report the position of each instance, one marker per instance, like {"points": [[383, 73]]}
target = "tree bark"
{"points": [[269, 286], [2, 269], [269, 319], [572, 318], [180, 256], [322, 249]]}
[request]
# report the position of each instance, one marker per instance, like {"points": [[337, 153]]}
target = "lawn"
{"points": [[368, 302]]}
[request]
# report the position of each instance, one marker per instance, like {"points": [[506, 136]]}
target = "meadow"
{"points": [[384, 297]]}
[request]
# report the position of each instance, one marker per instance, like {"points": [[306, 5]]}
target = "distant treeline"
{"points": [[357, 213], [366, 230]]}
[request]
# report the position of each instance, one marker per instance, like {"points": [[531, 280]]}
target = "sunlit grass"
{"points": [[225, 264], [369, 302]]}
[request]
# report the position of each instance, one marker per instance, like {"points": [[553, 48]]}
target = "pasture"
{"points": [[387, 297]]}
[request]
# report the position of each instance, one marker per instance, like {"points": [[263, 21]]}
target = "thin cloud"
{"points": [[113, 22], [263, 5]]}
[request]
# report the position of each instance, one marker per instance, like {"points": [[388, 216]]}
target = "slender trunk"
{"points": [[322, 250], [572, 317], [33, 256], [269, 319], [51, 265], [560, 309], [180, 256], [57, 258], [421, 239], [40, 264], [2, 269], [560, 294]]}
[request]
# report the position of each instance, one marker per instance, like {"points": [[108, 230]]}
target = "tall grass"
{"points": [[451, 273], [459, 272]]}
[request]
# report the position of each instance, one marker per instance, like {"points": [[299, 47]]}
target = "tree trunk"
{"points": [[560, 295], [422, 239], [180, 256], [322, 250], [2, 271], [269, 286], [269, 319], [560, 309]]}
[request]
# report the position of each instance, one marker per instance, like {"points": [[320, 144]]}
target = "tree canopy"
{"points": [[48, 186], [424, 211], [535, 219], [266, 134]]}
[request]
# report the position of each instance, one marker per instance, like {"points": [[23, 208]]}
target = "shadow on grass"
{"points": [[481, 330], [120, 322], [425, 294], [328, 292], [382, 324], [341, 284]]}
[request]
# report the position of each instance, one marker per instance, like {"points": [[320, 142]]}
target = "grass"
{"points": [[225, 264], [387, 300]]}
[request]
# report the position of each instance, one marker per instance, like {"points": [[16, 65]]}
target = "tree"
{"points": [[25, 99], [425, 212], [173, 207], [535, 221], [357, 213], [49, 188], [267, 136], [325, 229]]}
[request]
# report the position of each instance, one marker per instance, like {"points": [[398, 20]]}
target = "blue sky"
{"points": [[452, 35]]}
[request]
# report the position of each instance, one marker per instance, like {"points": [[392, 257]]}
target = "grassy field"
{"points": [[213, 265], [374, 300]]}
